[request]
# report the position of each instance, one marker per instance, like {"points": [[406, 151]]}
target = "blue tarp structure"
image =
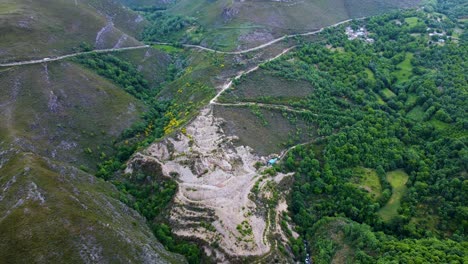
{"points": [[272, 161]]}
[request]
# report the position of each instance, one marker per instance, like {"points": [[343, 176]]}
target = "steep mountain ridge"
{"points": [[55, 118], [51, 212], [58, 109]]}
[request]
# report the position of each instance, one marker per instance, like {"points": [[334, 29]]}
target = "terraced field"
{"points": [[260, 84]]}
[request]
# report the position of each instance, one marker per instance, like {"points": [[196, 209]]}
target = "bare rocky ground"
{"points": [[215, 178]]}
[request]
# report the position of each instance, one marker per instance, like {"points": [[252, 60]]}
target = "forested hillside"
{"points": [[383, 102], [388, 175]]}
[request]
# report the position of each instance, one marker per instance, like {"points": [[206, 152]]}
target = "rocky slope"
{"points": [[216, 201]]}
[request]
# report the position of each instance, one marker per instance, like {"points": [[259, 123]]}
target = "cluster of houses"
{"points": [[360, 33], [363, 34], [437, 34]]}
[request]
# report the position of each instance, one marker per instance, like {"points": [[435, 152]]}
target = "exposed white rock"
{"points": [[215, 180]]}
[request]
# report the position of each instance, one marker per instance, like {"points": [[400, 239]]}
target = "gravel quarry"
{"points": [[215, 180]]}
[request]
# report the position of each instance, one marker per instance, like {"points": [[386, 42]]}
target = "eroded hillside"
{"points": [[218, 200]]}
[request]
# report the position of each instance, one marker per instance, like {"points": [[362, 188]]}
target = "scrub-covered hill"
{"points": [[53, 213], [58, 120], [38, 29], [232, 24]]}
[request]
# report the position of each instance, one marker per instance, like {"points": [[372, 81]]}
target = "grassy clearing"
{"points": [[416, 113], [338, 49], [412, 98], [261, 84], [412, 21], [397, 180], [448, 129], [368, 180], [439, 125], [405, 68], [379, 99], [387, 94], [370, 74], [266, 131]]}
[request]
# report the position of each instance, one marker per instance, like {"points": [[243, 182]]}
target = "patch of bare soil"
{"points": [[215, 179]]}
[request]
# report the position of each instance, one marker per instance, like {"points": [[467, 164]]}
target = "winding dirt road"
{"points": [[216, 177], [228, 84], [28, 62], [20, 63], [262, 45]]}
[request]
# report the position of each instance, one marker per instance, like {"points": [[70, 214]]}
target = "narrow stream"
{"points": [[307, 259]]}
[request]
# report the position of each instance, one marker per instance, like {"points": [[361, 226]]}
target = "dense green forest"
{"points": [[395, 106], [171, 28]]}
